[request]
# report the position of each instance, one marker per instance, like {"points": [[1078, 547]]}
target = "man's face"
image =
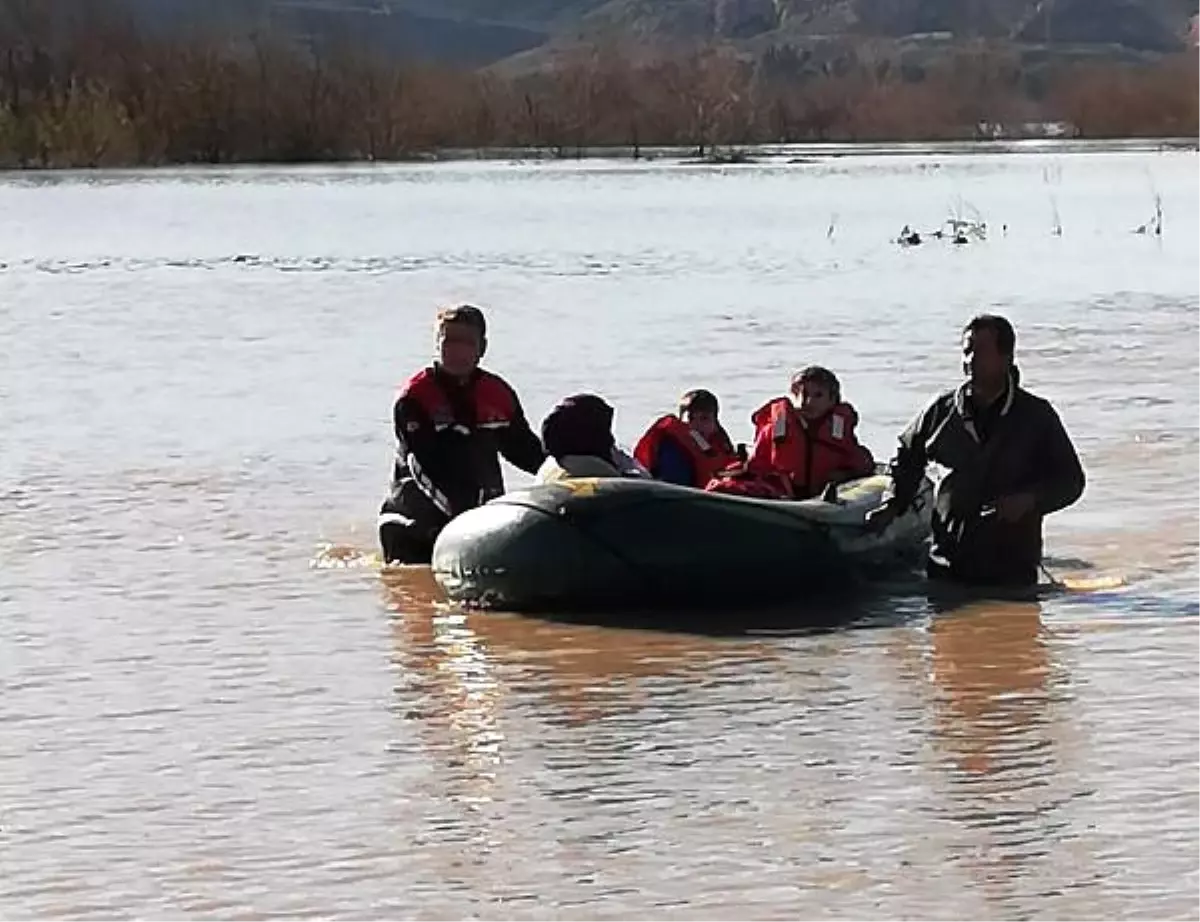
{"points": [[983, 361], [459, 348]]}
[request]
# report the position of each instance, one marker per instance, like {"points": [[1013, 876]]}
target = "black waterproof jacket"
{"points": [[1018, 445], [450, 435]]}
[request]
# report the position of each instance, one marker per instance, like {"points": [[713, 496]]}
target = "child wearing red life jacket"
{"points": [[688, 448], [809, 436]]}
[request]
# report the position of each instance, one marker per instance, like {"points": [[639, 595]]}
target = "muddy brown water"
{"points": [[207, 711]]}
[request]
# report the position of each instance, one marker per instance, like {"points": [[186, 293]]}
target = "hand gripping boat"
{"points": [[614, 543]]}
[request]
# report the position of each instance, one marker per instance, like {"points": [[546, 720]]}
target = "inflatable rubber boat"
{"points": [[612, 543]]}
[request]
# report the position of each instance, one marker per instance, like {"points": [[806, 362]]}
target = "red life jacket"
{"points": [[744, 482], [808, 455], [493, 405], [707, 457]]}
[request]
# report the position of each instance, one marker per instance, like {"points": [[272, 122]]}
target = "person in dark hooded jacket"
{"points": [[1010, 464], [579, 442]]}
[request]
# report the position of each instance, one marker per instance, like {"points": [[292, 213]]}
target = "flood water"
{"points": [[203, 715]]}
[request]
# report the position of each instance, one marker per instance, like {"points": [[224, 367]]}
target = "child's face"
{"points": [[702, 421], [814, 400]]}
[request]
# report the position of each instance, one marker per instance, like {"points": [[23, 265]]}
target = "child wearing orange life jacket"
{"points": [[689, 448], [809, 436]]}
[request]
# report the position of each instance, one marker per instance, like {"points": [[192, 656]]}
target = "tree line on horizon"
{"points": [[85, 91]]}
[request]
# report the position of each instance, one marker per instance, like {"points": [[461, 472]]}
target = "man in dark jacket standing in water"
{"points": [[452, 421], [1009, 462]]}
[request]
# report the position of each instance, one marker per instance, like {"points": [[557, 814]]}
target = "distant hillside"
{"points": [[292, 81], [1144, 25], [400, 30], [481, 32]]}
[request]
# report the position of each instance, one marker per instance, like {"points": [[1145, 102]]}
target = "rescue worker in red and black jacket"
{"points": [[809, 437], [452, 421], [690, 448], [1009, 463]]}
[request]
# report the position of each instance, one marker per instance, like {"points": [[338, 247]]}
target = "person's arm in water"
{"points": [[446, 476], [674, 466], [519, 443]]}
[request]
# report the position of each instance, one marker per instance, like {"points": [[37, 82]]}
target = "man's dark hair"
{"points": [[699, 401], [818, 375], [1006, 336], [465, 314]]}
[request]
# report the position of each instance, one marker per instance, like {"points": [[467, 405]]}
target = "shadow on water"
{"points": [[860, 606], [877, 603]]}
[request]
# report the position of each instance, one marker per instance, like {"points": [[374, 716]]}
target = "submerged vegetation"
{"points": [[81, 89]]}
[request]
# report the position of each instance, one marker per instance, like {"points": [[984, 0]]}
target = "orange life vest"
{"points": [[708, 458], [492, 403], [808, 455]]}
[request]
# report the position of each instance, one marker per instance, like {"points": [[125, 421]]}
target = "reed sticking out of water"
{"points": [[1154, 225], [1056, 228], [965, 222], [1052, 176], [78, 89]]}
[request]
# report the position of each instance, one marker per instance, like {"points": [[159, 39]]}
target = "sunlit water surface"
{"points": [[206, 712]]}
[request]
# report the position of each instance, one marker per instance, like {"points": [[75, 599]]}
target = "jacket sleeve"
{"points": [[519, 443], [1062, 479], [414, 431], [446, 477], [911, 458]]}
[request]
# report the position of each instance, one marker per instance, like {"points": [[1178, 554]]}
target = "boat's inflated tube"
{"points": [[612, 542]]}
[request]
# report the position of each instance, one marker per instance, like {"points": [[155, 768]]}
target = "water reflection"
{"points": [[448, 698], [990, 667], [998, 744], [496, 704], [582, 671], [445, 682]]}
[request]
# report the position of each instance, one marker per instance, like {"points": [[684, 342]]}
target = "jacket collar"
{"points": [[443, 376], [965, 407]]}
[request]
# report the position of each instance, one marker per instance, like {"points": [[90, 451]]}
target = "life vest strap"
{"points": [[701, 442]]}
